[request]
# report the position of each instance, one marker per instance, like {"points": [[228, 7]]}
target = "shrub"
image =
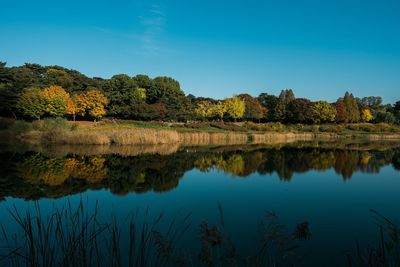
{"points": [[74, 126], [228, 126], [6, 123], [50, 123], [21, 127]]}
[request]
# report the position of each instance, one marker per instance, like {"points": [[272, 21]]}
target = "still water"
{"points": [[330, 189]]}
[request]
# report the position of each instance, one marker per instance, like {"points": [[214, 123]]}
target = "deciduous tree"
{"points": [[366, 115], [32, 103], [219, 109], [56, 100], [204, 109], [352, 109], [299, 110], [323, 112], [341, 112], [253, 109], [235, 107]]}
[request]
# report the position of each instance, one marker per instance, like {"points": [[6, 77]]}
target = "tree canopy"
{"points": [[32, 91]]}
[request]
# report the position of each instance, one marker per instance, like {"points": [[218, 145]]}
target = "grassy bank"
{"points": [[123, 132]]}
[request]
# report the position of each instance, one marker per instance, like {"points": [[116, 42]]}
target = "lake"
{"points": [[312, 203]]}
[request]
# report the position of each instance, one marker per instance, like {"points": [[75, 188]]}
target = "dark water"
{"points": [[331, 187]]}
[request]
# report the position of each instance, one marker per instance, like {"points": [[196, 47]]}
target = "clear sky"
{"points": [[214, 48]]}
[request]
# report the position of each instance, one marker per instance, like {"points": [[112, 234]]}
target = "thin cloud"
{"points": [[153, 24], [147, 35]]}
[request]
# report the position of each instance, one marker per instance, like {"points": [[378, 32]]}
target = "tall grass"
{"points": [[138, 136], [212, 138], [60, 131], [143, 136], [270, 138], [76, 237], [386, 253]]}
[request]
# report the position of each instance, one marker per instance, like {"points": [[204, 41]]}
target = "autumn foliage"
{"points": [[32, 91], [54, 101]]}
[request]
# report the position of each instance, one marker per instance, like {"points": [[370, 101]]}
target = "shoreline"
{"points": [[120, 133], [142, 136]]}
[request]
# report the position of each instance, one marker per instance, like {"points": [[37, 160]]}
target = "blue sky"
{"points": [[320, 49]]}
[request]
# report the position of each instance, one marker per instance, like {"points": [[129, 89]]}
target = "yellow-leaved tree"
{"points": [[204, 109], [77, 106], [56, 99], [235, 107], [94, 102], [219, 109], [71, 109], [366, 115]]}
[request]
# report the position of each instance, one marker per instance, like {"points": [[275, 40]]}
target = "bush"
{"points": [[50, 123], [21, 127], [385, 117], [368, 128], [353, 127], [255, 126], [228, 126], [384, 127], [266, 127], [6, 123], [197, 125], [74, 126], [337, 128]]}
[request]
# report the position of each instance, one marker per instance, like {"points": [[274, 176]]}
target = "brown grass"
{"points": [[62, 136], [89, 133], [273, 138], [134, 136], [211, 138], [143, 136]]}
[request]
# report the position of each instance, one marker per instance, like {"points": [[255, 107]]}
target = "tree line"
{"points": [[32, 91]]}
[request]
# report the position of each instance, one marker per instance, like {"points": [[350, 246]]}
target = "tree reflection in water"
{"points": [[59, 175]]}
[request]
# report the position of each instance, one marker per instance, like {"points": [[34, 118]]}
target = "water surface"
{"points": [[332, 187]]}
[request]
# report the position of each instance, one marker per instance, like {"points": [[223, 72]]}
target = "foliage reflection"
{"points": [[33, 175]]}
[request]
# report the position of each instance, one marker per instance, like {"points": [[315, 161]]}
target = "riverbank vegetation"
{"points": [[34, 92], [126, 132]]}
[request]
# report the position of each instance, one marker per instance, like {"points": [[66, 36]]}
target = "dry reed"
{"points": [[207, 138], [276, 138]]}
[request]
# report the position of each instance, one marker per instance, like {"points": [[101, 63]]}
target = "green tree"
{"points": [[32, 103], [122, 92], [284, 99], [299, 110], [57, 76], [396, 111], [8, 94], [323, 112], [386, 117], [270, 103]]}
